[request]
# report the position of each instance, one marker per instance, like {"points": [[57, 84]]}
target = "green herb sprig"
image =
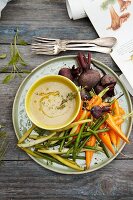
{"points": [[16, 62], [70, 96]]}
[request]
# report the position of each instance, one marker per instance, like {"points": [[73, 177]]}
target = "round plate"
{"points": [[21, 122]]}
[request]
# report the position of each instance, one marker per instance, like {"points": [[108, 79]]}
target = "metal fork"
{"points": [[106, 41], [54, 49]]}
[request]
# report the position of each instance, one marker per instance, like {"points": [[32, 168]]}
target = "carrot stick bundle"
{"points": [[111, 123]]}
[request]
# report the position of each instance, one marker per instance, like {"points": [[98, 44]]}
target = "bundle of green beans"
{"points": [[61, 147]]}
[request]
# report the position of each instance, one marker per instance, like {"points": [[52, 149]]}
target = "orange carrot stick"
{"points": [[106, 140], [104, 104], [113, 137], [89, 154], [111, 123], [122, 112], [95, 101], [117, 117], [83, 114], [80, 112], [119, 121], [118, 138], [115, 107]]}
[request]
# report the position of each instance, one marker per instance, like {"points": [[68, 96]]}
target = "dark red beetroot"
{"points": [[76, 71], [84, 94], [66, 72], [89, 77], [106, 81], [98, 111], [98, 88]]}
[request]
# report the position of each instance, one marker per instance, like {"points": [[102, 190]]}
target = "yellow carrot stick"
{"points": [[26, 134]]}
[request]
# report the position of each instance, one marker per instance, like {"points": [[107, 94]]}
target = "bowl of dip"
{"points": [[52, 102]]}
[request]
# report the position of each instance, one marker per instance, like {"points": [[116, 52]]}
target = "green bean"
{"points": [[82, 145], [98, 131], [86, 139], [61, 138], [68, 143], [53, 145], [63, 141], [102, 145], [69, 151], [100, 123], [57, 141], [95, 123], [95, 148], [95, 128], [77, 141], [103, 92], [68, 136], [98, 139]]}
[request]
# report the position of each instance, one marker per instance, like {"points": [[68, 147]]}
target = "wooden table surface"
{"points": [[21, 177]]}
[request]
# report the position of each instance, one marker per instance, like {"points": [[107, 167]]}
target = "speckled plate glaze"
{"points": [[22, 123]]}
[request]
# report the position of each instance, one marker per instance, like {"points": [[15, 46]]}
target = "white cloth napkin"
{"points": [[75, 9]]}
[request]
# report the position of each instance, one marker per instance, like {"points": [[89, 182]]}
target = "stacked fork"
{"points": [[50, 46]]}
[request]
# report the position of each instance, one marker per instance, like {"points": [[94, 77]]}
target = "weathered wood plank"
{"points": [[47, 18], [36, 11], [35, 60], [30, 181], [23, 178], [28, 30]]}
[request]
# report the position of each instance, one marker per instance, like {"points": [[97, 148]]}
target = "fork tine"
{"points": [[43, 48], [43, 45], [45, 40], [45, 53]]}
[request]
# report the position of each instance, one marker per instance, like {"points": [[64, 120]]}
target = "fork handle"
{"points": [[105, 50], [78, 41], [81, 45]]}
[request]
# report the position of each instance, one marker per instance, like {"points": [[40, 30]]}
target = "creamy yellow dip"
{"points": [[53, 103]]}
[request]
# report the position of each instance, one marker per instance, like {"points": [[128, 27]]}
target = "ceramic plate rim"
{"points": [[127, 97]]}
